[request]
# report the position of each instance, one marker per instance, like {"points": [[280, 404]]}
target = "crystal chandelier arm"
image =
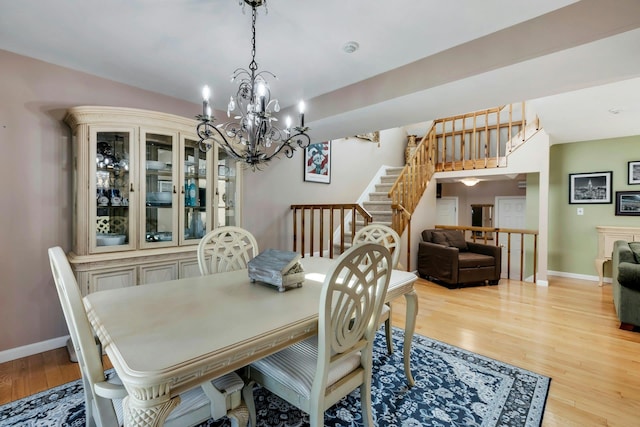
{"points": [[205, 132]]}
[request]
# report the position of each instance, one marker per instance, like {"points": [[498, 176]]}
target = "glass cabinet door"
{"points": [[226, 191], [113, 189], [159, 189], [194, 219]]}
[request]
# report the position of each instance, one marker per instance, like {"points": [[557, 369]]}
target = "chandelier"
{"points": [[253, 137]]}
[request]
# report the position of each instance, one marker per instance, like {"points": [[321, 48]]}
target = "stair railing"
{"points": [[477, 140], [314, 225], [486, 234], [406, 192]]}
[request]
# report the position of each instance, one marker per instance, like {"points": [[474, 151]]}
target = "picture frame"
{"points": [[317, 162], [628, 203], [634, 172], [590, 187]]}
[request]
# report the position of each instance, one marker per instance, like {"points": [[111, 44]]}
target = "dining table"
{"points": [[168, 337]]}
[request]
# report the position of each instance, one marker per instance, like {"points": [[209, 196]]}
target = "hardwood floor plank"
{"points": [[36, 379]]}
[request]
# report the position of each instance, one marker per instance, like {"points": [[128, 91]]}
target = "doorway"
{"points": [[447, 211], [511, 213]]}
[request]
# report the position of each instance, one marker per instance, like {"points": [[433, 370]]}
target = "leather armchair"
{"points": [[445, 257]]}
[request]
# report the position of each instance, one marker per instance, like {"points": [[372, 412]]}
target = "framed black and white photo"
{"points": [[634, 172], [317, 162], [628, 203], [591, 187]]}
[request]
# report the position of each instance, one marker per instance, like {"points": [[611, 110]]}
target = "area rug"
{"points": [[453, 387]]}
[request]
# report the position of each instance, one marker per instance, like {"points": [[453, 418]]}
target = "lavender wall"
{"points": [[35, 212]]}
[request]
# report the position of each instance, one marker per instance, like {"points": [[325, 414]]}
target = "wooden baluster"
{"points": [[498, 136], [321, 231], [486, 137], [521, 256], [332, 227]]}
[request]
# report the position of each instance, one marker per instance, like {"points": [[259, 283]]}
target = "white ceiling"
{"points": [[418, 60]]}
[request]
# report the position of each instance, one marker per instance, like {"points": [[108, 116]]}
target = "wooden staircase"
{"points": [[378, 206], [478, 140]]}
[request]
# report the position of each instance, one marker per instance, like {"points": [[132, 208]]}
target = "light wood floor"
{"points": [[567, 331]]}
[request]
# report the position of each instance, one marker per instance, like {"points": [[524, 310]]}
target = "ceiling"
{"points": [[418, 60]]}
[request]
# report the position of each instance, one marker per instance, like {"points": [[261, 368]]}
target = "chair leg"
{"points": [[239, 417], [247, 396], [365, 403], [387, 333], [387, 330]]}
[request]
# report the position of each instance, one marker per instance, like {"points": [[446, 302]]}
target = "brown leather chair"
{"points": [[447, 258]]}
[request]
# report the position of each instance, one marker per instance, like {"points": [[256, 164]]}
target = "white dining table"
{"points": [[165, 338]]}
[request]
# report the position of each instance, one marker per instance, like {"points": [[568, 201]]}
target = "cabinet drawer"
{"points": [[102, 280], [158, 273]]}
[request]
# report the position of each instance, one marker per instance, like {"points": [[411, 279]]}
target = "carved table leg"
{"points": [[600, 269], [410, 326], [137, 415]]}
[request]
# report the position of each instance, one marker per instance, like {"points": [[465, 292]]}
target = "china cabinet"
{"points": [[144, 196]]}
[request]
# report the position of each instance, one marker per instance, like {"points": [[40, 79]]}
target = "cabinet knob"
{"points": [[131, 188], [174, 189]]}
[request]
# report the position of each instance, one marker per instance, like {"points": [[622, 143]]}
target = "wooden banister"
{"points": [[490, 231], [323, 220]]}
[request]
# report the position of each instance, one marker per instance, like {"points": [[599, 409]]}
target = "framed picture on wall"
{"points": [[317, 162], [634, 172], [591, 187], [628, 203]]}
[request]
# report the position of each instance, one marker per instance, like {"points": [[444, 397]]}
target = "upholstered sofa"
{"points": [[445, 257], [626, 283]]}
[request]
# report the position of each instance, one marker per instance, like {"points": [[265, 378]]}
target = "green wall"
{"points": [[572, 238]]}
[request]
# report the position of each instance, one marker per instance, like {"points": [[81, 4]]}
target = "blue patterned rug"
{"points": [[453, 387]]}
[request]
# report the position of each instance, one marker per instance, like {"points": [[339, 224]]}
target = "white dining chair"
{"points": [[103, 396], [315, 373], [226, 249], [387, 237]]}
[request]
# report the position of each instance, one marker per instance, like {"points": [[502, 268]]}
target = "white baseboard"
{"points": [[31, 349], [578, 276]]}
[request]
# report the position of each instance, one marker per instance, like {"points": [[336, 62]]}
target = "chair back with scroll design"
{"points": [[226, 249], [316, 373], [387, 237], [382, 235]]}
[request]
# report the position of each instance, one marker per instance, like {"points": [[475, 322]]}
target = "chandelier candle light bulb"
{"points": [[301, 109], [254, 138], [206, 94]]}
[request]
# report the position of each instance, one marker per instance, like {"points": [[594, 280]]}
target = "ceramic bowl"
{"points": [[103, 239], [163, 197], [155, 165]]}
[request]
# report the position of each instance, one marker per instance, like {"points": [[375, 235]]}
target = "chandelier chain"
{"points": [[255, 137], [253, 66]]}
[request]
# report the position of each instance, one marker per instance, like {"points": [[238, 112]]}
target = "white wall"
{"points": [[269, 194]]}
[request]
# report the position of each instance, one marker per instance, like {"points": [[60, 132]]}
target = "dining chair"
{"points": [[226, 249], [387, 237], [316, 373], [103, 396]]}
